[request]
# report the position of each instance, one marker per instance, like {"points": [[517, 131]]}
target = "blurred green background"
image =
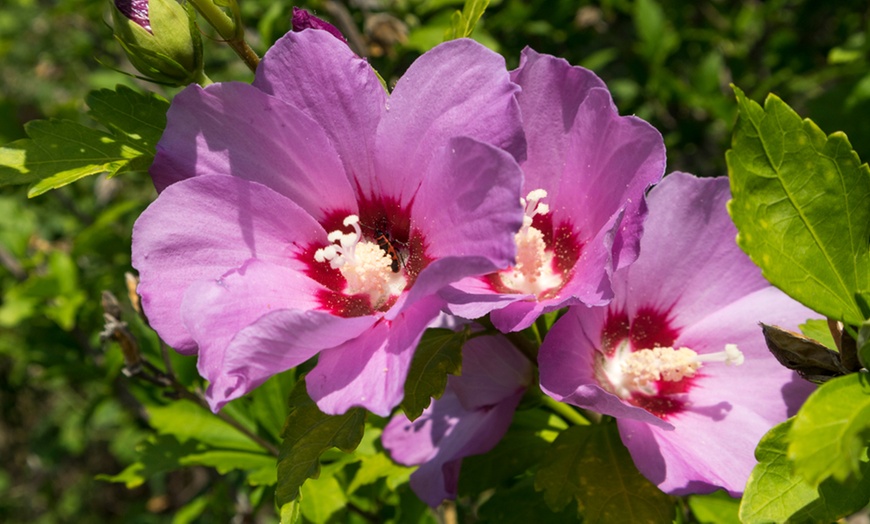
{"points": [[67, 413]]}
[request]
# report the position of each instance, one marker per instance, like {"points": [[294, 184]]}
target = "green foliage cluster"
{"points": [[86, 443]]}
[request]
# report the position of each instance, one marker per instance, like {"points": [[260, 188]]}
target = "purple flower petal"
{"points": [[552, 91], [468, 211], [236, 129], [321, 76], [492, 371], [370, 370], [459, 88], [567, 366], [198, 230]]}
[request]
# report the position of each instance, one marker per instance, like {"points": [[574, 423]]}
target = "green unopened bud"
{"points": [[161, 40]]}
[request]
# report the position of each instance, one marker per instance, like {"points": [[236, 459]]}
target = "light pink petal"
{"points": [[459, 88], [707, 450], [235, 129], [370, 370], [319, 74], [689, 237], [760, 376], [203, 227]]}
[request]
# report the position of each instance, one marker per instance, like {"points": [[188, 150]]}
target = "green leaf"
{"points": [[291, 512], [832, 429], [268, 403], [800, 205], [715, 508], [863, 344], [140, 118], [308, 432], [657, 38], [186, 420], [818, 330], [590, 464], [59, 152], [521, 504], [321, 498], [375, 467], [438, 353], [521, 449], [162, 453], [775, 493], [463, 22]]}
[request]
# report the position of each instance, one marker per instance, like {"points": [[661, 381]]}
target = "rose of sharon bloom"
{"points": [[585, 176], [678, 356], [469, 419], [312, 213]]}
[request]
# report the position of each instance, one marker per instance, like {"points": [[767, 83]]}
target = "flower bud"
{"points": [[161, 40], [302, 19]]}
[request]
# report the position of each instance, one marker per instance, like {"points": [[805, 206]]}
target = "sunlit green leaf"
{"points": [[800, 205], [321, 498], [291, 512], [590, 464], [375, 467], [863, 344], [186, 420], [59, 152], [818, 330], [776, 493], [308, 432], [438, 354], [715, 508], [463, 22], [832, 429]]}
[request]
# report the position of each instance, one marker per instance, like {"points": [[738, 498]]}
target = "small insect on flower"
{"points": [[385, 242]]}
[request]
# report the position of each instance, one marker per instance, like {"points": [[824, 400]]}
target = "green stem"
{"points": [[233, 35], [541, 325], [565, 411], [204, 80]]}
